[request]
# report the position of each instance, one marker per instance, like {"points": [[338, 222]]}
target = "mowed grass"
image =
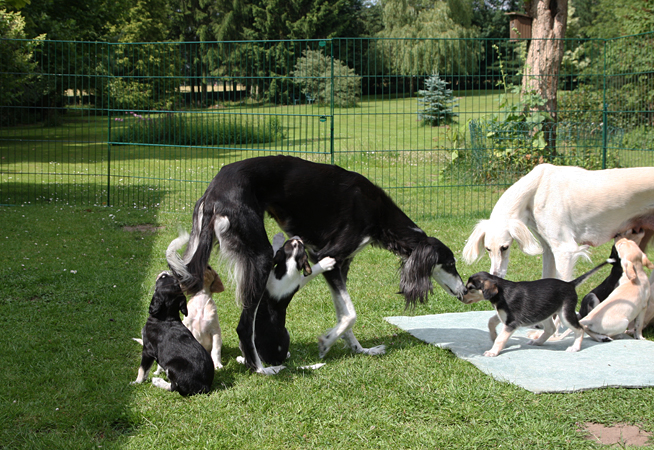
{"points": [[381, 138], [75, 285]]}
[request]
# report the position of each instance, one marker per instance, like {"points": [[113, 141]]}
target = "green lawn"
{"points": [[75, 284]]}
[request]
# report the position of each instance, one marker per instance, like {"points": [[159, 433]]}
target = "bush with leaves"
{"points": [[437, 102], [313, 73], [18, 77]]}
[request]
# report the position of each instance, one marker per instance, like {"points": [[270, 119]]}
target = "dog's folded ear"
{"points": [[182, 305], [474, 248], [647, 263], [489, 289], [306, 267], [158, 304], [525, 239]]}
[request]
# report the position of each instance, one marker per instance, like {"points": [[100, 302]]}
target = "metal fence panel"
{"points": [[149, 124]]}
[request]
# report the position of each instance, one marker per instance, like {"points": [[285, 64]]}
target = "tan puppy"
{"points": [[202, 318], [628, 302]]}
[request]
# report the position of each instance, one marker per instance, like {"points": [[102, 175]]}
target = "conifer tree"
{"points": [[437, 101]]}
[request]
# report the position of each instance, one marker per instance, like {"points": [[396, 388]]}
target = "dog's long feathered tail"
{"points": [[189, 270], [577, 281]]}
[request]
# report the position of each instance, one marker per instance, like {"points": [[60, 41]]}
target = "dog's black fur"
{"points": [[604, 289], [527, 303], [335, 212], [168, 342]]}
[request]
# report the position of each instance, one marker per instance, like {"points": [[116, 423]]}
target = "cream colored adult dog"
{"points": [[561, 211], [628, 302], [202, 317]]}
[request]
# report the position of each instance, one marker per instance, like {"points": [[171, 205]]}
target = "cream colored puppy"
{"points": [[202, 318], [628, 302]]}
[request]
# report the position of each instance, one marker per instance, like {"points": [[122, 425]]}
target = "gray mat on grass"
{"points": [[549, 368]]}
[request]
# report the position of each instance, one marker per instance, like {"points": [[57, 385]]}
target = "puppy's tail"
{"points": [[577, 281], [140, 341]]}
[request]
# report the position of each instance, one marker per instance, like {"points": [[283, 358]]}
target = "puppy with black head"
{"points": [[291, 271], [167, 341], [527, 303]]}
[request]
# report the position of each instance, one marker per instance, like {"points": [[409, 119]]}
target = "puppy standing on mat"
{"points": [[527, 303], [202, 317]]}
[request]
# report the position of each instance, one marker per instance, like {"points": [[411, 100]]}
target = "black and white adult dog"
{"points": [[334, 211], [291, 271], [167, 341]]}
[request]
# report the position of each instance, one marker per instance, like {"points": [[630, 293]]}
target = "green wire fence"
{"points": [[148, 125]]}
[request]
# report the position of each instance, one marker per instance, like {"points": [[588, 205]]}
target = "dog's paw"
{"points": [[273, 370], [490, 353], [327, 263], [572, 349], [323, 349], [379, 350], [218, 366], [240, 360], [161, 383]]}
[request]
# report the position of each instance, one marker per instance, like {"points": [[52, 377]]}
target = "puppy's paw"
{"points": [[220, 366], [327, 263], [160, 383], [240, 360], [490, 353], [572, 348]]}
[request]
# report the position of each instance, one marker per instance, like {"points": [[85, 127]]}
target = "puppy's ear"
{"points": [[217, 285], [304, 263], [182, 305], [628, 269], [647, 263], [474, 248], [489, 289], [157, 304], [279, 258]]}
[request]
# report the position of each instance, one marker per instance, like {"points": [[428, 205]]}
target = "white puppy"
{"points": [[628, 302], [202, 317]]}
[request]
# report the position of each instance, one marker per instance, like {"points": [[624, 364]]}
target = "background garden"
{"points": [[114, 117]]}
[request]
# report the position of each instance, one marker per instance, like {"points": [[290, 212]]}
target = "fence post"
{"points": [[109, 50], [604, 110], [331, 111]]}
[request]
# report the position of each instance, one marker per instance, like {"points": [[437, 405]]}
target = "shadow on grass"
{"points": [[72, 284]]}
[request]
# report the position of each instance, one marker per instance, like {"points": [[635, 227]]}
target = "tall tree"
{"points": [[541, 73]]}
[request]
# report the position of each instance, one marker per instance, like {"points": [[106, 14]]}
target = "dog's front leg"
{"points": [[216, 349], [493, 322], [144, 368], [346, 317], [245, 331], [501, 341]]}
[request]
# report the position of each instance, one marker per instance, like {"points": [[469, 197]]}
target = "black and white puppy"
{"points": [[291, 271], [604, 289], [527, 303], [167, 341]]}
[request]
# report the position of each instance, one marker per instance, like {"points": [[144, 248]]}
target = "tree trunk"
{"points": [[546, 49]]}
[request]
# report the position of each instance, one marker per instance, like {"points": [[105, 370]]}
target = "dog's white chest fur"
{"points": [[288, 284]]}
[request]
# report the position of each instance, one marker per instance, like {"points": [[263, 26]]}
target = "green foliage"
{"points": [[313, 74], [437, 102], [419, 36], [16, 58], [190, 129]]}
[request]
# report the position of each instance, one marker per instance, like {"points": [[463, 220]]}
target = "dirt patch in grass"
{"points": [[144, 228], [622, 434]]}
